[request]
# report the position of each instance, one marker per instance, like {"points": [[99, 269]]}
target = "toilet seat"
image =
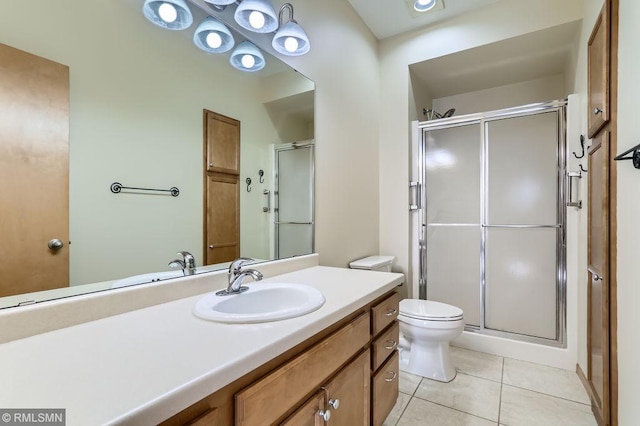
{"points": [[428, 310]]}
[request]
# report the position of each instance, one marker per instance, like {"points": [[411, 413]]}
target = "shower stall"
{"points": [[490, 219], [293, 214]]}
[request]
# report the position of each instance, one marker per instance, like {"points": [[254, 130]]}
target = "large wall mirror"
{"points": [[136, 96]]}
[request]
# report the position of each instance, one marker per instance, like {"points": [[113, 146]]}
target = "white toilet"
{"points": [[426, 328]]}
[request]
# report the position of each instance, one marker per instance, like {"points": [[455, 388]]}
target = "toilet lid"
{"points": [[428, 309]]}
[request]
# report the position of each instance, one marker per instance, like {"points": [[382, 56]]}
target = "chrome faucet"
{"points": [[237, 275], [187, 263]]}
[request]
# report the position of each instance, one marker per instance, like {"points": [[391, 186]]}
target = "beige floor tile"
{"points": [[540, 378], [425, 413], [408, 383], [521, 407], [477, 364], [396, 412], [473, 395]]}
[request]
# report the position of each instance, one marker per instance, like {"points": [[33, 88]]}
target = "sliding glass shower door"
{"points": [[493, 221], [294, 186]]}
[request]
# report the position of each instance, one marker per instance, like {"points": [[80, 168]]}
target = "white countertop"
{"points": [[143, 366]]}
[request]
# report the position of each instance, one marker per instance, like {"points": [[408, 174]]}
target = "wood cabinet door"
{"points": [[34, 171], [351, 391], [310, 414], [598, 331], [599, 49], [222, 143], [222, 219]]}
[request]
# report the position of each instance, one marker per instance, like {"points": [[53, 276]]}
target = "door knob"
{"points": [[55, 244]]}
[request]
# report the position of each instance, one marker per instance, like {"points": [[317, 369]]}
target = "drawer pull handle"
{"points": [[334, 403], [391, 312], [325, 415], [392, 378], [391, 344]]}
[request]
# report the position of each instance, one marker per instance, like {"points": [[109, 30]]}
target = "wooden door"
{"points": [[222, 136], [598, 336], [222, 214], [351, 388], [599, 49], [34, 172], [222, 189]]}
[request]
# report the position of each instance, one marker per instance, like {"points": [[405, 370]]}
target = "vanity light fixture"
{"points": [[220, 4], [247, 57], [424, 5], [290, 40], [257, 16], [169, 14], [213, 36]]}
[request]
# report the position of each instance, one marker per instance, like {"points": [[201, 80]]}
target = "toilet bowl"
{"points": [[426, 328]]}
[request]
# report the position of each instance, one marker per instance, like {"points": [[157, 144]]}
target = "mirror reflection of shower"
{"points": [[293, 213]]}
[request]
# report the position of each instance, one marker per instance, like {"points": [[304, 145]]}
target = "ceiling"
{"points": [[527, 57], [387, 18]]}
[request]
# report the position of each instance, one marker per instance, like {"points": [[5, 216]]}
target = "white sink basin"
{"points": [[263, 302], [147, 278]]}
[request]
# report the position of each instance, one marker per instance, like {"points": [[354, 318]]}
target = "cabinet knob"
{"points": [[597, 277], [210, 164], [334, 403], [325, 415], [597, 111], [392, 378], [210, 246], [391, 312]]}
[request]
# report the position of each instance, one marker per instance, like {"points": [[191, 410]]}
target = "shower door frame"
{"points": [[307, 144], [483, 119]]}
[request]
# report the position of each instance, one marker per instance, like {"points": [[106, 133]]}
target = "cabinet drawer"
{"points": [[385, 345], [384, 313], [385, 389], [271, 397]]}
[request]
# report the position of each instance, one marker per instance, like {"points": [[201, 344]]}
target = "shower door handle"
{"points": [[414, 187], [571, 176]]}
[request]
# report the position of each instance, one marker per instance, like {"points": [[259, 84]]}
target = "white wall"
{"points": [[497, 22], [511, 95], [343, 63], [628, 216], [591, 11], [137, 94]]}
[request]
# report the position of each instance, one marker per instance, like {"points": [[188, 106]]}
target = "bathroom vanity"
{"points": [[161, 363]]}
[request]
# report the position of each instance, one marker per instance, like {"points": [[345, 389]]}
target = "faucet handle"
{"points": [[236, 265], [188, 259]]}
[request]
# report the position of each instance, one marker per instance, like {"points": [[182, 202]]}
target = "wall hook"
{"points": [[582, 169], [248, 181], [261, 174], [583, 149]]}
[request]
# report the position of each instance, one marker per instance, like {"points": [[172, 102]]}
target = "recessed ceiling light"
{"points": [[424, 5], [419, 8]]}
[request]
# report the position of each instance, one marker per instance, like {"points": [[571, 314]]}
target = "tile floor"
{"points": [[492, 390]]}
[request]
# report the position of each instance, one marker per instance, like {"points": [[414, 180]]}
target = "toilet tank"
{"points": [[374, 263]]}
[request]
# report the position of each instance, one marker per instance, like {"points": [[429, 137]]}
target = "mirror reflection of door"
{"points": [[294, 199], [222, 189], [34, 172]]}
